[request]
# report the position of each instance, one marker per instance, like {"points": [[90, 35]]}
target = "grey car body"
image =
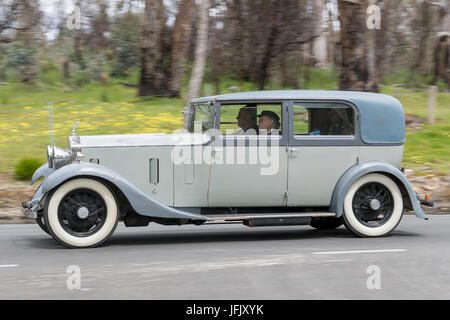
{"points": [[315, 171]]}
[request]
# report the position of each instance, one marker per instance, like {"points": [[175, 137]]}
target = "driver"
{"points": [[246, 122]]}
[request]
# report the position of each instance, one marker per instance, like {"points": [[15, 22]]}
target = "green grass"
{"points": [[25, 129], [427, 150], [115, 109], [415, 101]]}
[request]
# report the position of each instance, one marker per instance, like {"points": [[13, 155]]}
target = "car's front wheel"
{"points": [[373, 206], [81, 213]]}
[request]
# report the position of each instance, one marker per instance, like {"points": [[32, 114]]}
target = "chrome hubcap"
{"points": [[374, 204], [82, 212]]}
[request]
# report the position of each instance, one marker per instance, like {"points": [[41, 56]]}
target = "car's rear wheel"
{"points": [[81, 213], [373, 206]]}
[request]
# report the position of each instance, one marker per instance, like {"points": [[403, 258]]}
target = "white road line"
{"points": [[8, 265], [361, 251]]}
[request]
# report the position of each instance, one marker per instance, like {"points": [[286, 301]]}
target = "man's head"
{"points": [[268, 120], [333, 116], [245, 117], [336, 115]]}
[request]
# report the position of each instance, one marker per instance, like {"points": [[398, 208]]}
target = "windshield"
{"points": [[202, 117]]}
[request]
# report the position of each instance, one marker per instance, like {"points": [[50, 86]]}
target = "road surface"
{"points": [[230, 262]]}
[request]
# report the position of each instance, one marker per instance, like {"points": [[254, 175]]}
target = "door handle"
{"points": [[154, 171], [292, 150], [216, 150]]}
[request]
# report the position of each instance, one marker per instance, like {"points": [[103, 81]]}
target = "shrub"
{"points": [[26, 167]]}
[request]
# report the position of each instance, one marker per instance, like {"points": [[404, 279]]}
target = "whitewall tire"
{"points": [[81, 213], [41, 222], [373, 206]]}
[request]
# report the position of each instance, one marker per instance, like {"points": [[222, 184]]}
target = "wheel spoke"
{"points": [[70, 205], [363, 210], [95, 212], [74, 201]]}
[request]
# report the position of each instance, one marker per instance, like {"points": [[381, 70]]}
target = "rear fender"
{"points": [[354, 173]]}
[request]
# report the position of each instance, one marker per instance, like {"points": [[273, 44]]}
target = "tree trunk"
{"points": [[27, 13], [201, 50], [441, 57], [77, 38], [372, 69], [425, 31], [442, 60], [153, 79], [269, 45], [319, 44], [217, 48], [353, 69], [180, 45]]}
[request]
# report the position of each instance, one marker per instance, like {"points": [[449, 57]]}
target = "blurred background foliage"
{"points": [[132, 64]]}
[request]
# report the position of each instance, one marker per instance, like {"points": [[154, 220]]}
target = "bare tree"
{"points": [[354, 68], [7, 17], [201, 51], [269, 45], [77, 42], [371, 50], [180, 45], [28, 16], [441, 56], [17, 16], [153, 79], [99, 24]]}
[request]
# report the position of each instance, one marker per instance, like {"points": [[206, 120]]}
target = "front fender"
{"points": [[42, 171], [361, 169], [140, 202]]}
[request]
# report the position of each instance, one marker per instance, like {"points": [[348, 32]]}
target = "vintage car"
{"points": [[325, 158]]}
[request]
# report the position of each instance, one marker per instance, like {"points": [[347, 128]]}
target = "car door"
{"points": [[319, 150], [248, 170]]}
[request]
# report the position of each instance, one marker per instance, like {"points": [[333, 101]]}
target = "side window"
{"points": [[250, 119], [202, 117], [323, 119], [301, 120]]}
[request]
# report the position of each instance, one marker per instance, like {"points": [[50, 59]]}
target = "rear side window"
{"points": [[323, 119]]}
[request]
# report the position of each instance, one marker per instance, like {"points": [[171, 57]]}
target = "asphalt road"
{"points": [[230, 262]]}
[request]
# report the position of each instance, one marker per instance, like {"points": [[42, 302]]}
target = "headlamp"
{"points": [[57, 157]]}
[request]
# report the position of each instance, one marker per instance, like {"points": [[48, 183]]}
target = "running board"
{"points": [[258, 216]]}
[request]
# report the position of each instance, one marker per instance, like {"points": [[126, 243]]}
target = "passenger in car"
{"points": [[269, 123], [339, 123], [246, 122]]}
